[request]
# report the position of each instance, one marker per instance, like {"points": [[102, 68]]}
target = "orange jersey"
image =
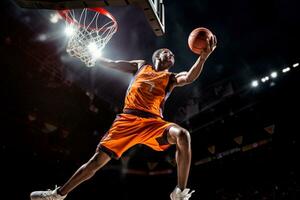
{"points": [[141, 121], [129, 130], [148, 91]]}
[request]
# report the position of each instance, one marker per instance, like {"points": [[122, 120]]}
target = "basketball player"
{"points": [[141, 121]]}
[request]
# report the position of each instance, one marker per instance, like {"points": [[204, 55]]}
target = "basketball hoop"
{"points": [[89, 30]]}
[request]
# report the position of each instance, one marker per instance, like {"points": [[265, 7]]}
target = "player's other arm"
{"points": [[123, 65], [184, 78]]}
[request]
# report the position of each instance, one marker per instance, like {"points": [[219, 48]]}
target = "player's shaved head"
{"points": [[155, 55], [163, 59]]}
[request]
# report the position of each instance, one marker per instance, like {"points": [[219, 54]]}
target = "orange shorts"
{"points": [[128, 130]]}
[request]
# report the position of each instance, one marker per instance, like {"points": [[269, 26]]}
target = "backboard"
{"points": [[153, 9]]}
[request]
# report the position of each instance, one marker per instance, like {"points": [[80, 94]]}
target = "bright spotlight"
{"points": [[92, 47], [264, 79], [254, 83], [296, 65], [274, 74], [69, 31], [286, 69], [54, 18], [94, 50]]}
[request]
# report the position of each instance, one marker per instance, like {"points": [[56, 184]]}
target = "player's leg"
{"points": [[85, 172], [181, 138]]}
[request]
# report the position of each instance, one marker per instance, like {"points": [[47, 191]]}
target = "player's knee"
{"points": [[184, 138]]}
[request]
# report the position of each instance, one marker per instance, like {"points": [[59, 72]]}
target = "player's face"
{"points": [[166, 59]]}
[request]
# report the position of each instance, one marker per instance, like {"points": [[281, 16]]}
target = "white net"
{"points": [[89, 31]]}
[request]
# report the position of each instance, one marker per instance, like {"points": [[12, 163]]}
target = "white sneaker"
{"points": [[46, 195], [177, 194]]}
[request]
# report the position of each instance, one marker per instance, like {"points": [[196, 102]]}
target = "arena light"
{"points": [[93, 49], [69, 31], [54, 17], [286, 69], [272, 84], [264, 79], [274, 74], [254, 83], [295, 65]]}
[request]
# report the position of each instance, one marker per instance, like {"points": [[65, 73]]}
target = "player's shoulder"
{"points": [[172, 77], [138, 63]]}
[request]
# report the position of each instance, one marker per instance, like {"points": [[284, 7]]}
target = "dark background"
{"points": [[55, 110]]}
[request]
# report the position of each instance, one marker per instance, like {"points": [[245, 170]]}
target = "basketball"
{"points": [[197, 39]]}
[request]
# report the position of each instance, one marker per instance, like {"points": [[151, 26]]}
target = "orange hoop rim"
{"points": [[65, 15]]}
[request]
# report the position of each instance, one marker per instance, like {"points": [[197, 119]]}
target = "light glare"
{"points": [[69, 31], [93, 49], [274, 74], [54, 18], [286, 70], [254, 83]]}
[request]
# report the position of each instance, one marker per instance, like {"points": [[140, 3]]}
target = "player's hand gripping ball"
{"points": [[198, 38]]}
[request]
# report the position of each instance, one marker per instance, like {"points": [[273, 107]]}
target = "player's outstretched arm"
{"points": [[123, 65], [184, 78]]}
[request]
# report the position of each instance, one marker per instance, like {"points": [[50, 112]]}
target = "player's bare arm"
{"points": [[184, 78], [122, 65]]}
